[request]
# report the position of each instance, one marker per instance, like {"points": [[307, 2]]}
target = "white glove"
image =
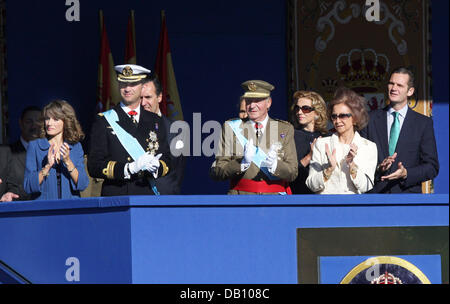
{"points": [[271, 160], [249, 154], [153, 165], [141, 163]]}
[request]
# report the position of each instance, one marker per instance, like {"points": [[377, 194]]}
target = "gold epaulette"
{"points": [[283, 121], [165, 168], [109, 170]]}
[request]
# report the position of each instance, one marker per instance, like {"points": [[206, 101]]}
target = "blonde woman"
{"points": [[345, 162], [309, 117], [54, 164]]}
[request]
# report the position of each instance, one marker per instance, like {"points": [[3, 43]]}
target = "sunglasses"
{"points": [[305, 109], [341, 116]]}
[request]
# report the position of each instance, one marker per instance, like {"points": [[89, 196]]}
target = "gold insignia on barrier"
{"points": [[252, 86], [109, 170], [127, 71], [165, 168]]}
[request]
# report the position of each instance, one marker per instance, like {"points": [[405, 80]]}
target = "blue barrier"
{"points": [[188, 239]]}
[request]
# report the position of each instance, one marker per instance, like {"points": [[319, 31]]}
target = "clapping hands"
{"points": [[271, 160], [64, 152], [249, 152], [351, 154], [331, 156]]}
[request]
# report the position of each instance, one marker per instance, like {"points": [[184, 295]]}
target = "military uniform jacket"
{"points": [[227, 165], [107, 157]]}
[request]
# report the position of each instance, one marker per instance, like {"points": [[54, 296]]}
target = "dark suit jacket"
{"points": [[16, 171], [416, 149], [303, 140], [105, 147], [171, 183], [5, 158]]}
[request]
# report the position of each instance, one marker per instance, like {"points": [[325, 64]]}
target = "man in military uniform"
{"points": [[128, 147], [257, 155]]}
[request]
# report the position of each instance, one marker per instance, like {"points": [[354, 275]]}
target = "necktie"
{"points": [[258, 127], [395, 132], [133, 118]]}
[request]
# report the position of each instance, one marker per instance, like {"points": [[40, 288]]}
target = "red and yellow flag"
{"points": [[130, 44], [170, 105], [107, 86]]}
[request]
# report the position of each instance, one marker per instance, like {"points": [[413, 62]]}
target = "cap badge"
{"points": [[127, 71], [252, 86]]}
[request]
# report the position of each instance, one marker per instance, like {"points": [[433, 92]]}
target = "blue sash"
{"points": [[260, 155], [129, 142]]}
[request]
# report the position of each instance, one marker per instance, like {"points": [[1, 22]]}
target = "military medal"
{"points": [[153, 144]]}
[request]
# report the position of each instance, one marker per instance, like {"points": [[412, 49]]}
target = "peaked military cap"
{"points": [[256, 89], [131, 72]]}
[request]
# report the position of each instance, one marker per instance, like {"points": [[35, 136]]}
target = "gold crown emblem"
{"points": [[386, 278], [127, 71], [362, 70], [252, 87], [330, 85]]}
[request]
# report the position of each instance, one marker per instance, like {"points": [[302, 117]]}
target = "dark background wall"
{"points": [[215, 46]]}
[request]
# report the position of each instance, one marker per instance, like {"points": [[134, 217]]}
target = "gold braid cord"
{"points": [[109, 170]]}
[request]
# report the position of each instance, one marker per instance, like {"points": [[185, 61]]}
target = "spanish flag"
{"points": [[170, 105], [107, 86], [130, 44]]}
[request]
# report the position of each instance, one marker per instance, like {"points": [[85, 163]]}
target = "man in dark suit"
{"points": [[5, 158], [151, 96], [407, 154], [128, 146], [13, 180]]}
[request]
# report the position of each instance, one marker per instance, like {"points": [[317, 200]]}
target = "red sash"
{"points": [[263, 186]]}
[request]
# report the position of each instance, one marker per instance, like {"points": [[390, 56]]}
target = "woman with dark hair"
{"points": [[309, 117], [344, 163], [54, 164]]}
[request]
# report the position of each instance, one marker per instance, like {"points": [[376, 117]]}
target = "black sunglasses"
{"points": [[305, 109], [341, 116]]}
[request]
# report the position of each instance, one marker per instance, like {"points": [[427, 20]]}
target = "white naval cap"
{"points": [[131, 72]]}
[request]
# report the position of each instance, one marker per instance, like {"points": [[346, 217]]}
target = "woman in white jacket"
{"points": [[344, 163]]}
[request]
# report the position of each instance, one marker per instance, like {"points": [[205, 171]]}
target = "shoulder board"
{"points": [[233, 119], [100, 114], [283, 121]]}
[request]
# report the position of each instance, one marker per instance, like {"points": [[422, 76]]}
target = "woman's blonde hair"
{"points": [[320, 108], [61, 109]]}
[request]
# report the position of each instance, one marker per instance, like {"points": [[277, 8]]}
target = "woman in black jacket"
{"points": [[309, 117]]}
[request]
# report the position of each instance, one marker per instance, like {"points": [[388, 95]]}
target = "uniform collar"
{"points": [[264, 122]]}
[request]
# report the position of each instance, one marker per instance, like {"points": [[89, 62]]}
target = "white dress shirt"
{"points": [[127, 109], [390, 118]]}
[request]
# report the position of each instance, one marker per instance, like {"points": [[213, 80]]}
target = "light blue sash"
{"points": [[129, 142], [260, 155]]}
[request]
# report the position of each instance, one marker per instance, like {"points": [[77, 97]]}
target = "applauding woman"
{"points": [[54, 165], [344, 163], [310, 119]]}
